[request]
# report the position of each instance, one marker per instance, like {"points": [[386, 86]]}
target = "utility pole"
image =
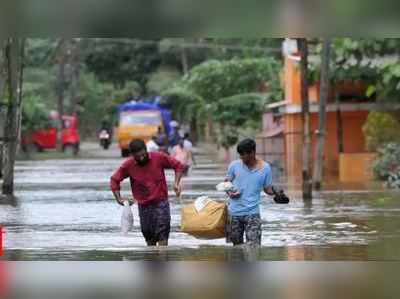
{"points": [[339, 120], [14, 49], [61, 57], [3, 75], [321, 133], [305, 113]]}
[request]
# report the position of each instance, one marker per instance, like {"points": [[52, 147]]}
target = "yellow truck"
{"points": [[140, 120]]}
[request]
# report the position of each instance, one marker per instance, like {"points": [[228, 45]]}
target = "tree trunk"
{"points": [[20, 82], [305, 112], [61, 79], [210, 133], [3, 75], [339, 132], [14, 67], [194, 130], [75, 77], [321, 133], [184, 59], [1, 159], [60, 88]]}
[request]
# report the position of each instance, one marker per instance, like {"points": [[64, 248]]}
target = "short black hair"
{"points": [[246, 146], [136, 145]]}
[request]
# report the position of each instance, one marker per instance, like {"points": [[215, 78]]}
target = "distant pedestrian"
{"points": [[187, 144], [174, 137], [183, 155], [161, 139]]}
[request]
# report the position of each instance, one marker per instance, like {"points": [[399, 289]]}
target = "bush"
{"points": [[387, 165], [214, 79], [381, 129]]}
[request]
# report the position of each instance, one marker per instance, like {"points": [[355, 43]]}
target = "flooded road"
{"points": [[65, 211]]}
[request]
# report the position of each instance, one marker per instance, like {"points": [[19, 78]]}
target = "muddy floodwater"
{"points": [[65, 211]]}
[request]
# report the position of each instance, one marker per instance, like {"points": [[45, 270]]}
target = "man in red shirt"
{"points": [[149, 188]]}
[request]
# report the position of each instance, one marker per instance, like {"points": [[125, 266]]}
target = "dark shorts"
{"points": [[155, 221], [250, 225]]}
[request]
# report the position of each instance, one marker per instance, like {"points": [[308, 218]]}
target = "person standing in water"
{"points": [[149, 188], [250, 176], [183, 155]]}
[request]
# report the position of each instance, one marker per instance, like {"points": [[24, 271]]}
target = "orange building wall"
{"points": [[353, 139], [291, 77], [293, 153], [292, 82], [353, 122], [355, 167]]}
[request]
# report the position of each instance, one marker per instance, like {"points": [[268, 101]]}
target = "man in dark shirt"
{"points": [[149, 188]]}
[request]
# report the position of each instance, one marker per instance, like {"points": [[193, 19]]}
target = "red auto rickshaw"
{"points": [[45, 139]]}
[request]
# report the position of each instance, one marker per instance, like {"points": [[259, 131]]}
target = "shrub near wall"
{"points": [[387, 165], [381, 129]]}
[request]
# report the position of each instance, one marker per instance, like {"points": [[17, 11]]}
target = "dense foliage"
{"points": [[121, 60], [234, 92], [380, 129], [34, 115], [375, 61], [387, 165]]}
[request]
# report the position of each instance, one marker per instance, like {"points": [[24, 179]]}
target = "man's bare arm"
{"points": [[269, 191], [279, 196], [120, 200], [177, 183]]}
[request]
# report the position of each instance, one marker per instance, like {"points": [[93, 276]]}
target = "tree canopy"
{"points": [[375, 61], [233, 91]]}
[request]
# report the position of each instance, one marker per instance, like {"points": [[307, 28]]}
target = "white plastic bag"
{"points": [[201, 202], [126, 218], [226, 187]]}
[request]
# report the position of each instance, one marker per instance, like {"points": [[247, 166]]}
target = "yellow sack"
{"points": [[205, 223]]}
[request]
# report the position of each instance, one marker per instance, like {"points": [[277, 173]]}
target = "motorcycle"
{"points": [[105, 139]]}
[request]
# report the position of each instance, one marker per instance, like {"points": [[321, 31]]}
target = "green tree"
{"points": [[213, 80], [227, 90], [183, 53], [100, 101], [162, 79], [374, 61], [381, 129], [121, 60], [40, 52], [35, 114], [236, 113]]}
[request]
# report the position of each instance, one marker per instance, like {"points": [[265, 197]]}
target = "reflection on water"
{"points": [[66, 212], [200, 280]]}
